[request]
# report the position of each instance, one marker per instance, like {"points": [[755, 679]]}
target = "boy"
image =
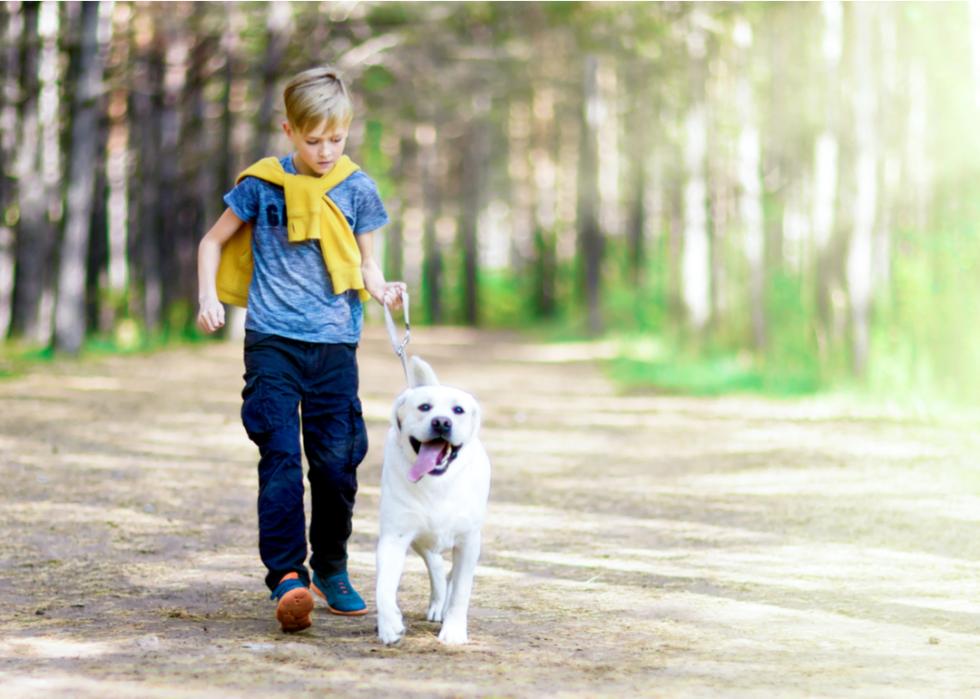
{"points": [[302, 276]]}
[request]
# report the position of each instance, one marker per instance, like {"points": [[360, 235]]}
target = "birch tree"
{"points": [[473, 163], [432, 264], [70, 313], [11, 28], [695, 262], [37, 161], [144, 239], [545, 140], [279, 23], [859, 252], [589, 236], [825, 165], [750, 199], [641, 136]]}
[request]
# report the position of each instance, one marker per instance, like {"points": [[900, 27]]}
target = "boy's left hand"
{"points": [[393, 294]]}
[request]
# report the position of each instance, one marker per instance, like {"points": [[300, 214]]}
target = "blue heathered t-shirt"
{"points": [[291, 293]]}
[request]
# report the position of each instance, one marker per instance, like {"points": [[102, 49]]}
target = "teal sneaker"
{"points": [[339, 594]]}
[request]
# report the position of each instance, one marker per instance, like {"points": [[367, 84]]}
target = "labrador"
{"points": [[435, 484]]}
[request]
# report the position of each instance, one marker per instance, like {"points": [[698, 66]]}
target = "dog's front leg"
{"points": [[437, 582], [390, 562], [465, 555]]}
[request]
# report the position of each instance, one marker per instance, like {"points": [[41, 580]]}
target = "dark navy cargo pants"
{"points": [[283, 379]]}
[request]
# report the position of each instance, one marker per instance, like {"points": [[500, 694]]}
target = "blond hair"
{"points": [[315, 96]]}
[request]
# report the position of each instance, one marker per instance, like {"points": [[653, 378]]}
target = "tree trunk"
{"points": [[545, 144], [144, 227], [70, 313], [695, 264], [589, 235], [199, 196], [426, 136], [395, 233], [230, 48], [229, 160], [521, 228], [473, 166], [674, 264], [35, 234], [974, 10], [98, 248], [918, 140], [859, 254], [638, 125], [277, 40], [749, 179], [826, 164], [115, 286], [888, 125], [177, 250], [12, 28]]}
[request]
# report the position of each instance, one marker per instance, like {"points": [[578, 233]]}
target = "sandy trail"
{"points": [[637, 545]]}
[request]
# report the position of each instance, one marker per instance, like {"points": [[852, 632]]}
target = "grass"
{"points": [[654, 363], [16, 357], [712, 376]]}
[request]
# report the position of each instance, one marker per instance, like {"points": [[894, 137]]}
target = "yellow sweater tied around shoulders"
{"points": [[310, 215]]}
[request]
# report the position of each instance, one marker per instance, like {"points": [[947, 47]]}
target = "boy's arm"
{"points": [[385, 293], [211, 314]]}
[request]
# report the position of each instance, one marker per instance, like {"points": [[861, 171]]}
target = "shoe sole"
{"points": [[294, 610], [318, 591]]}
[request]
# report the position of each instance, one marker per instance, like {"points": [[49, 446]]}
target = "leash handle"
{"points": [[399, 345]]}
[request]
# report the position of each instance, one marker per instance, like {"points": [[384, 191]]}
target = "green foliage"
{"points": [[657, 354], [703, 376], [129, 336], [442, 64], [635, 300], [376, 79], [373, 158], [922, 347], [791, 355], [505, 300], [15, 357], [923, 343]]}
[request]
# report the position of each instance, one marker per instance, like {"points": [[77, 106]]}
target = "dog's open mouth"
{"points": [[433, 459]]}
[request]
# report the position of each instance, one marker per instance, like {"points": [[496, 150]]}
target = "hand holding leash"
{"points": [[397, 345]]}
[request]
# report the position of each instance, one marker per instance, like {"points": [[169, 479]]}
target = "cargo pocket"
{"points": [[358, 435], [258, 414]]}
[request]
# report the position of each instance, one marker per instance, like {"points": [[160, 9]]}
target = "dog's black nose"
{"points": [[442, 425]]}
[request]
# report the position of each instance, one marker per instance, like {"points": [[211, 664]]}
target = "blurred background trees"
{"points": [[787, 193]]}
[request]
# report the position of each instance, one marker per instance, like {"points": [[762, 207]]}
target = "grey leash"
{"points": [[396, 344]]}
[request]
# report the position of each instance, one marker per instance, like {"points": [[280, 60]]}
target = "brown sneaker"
{"points": [[295, 607]]}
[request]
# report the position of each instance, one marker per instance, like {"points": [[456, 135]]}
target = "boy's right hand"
{"points": [[211, 315]]}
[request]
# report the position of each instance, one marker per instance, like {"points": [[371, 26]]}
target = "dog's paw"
{"points": [[453, 634], [390, 633], [435, 611]]}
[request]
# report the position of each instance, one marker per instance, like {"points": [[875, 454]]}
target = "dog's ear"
{"points": [[396, 418], [422, 374], [477, 418]]}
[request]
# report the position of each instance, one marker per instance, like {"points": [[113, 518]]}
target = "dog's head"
{"points": [[433, 422]]}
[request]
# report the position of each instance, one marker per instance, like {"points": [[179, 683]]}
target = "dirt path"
{"points": [[636, 546]]}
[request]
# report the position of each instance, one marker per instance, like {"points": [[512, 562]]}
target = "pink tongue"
{"points": [[428, 456]]}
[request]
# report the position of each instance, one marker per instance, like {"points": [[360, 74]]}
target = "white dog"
{"points": [[435, 482]]}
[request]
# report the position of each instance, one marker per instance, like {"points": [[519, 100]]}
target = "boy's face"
{"points": [[318, 149]]}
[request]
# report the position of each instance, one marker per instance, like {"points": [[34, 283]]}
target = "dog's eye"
{"points": [[425, 407], [459, 410]]}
